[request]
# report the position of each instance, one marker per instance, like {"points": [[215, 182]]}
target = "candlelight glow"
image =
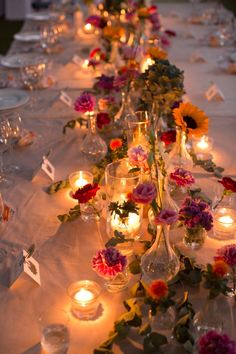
{"points": [[203, 143], [131, 224], [80, 182], [88, 28], [85, 64], [146, 63], [226, 220], [84, 296]]}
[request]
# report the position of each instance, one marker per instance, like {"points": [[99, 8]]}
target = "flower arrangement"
{"points": [[166, 217], [144, 193], [85, 103], [86, 193], [158, 296], [103, 119], [215, 277], [182, 178], [109, 262], [191, 119], [138, 157], [213, 342], [96, 21], [168, 137], [229, 187]]}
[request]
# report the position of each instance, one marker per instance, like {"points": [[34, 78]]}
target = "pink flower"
{"points": [[105, 102], [138, 157], [227, 254], [216, 343], [166, 217], [102, 119], [144, 193], [109, 262], [182, 177], [85, 103]]}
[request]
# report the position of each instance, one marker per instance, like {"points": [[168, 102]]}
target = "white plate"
{"points": [[46, 16], [11, 98], [20, 60], [27, 36]]}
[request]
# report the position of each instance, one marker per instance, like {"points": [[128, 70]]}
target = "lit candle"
{"points": [[85, 64], [84, 296], [79, 179], [225, 223], [203, 144], [88, 28], [146, 63], [203, 147], [130, 226]]}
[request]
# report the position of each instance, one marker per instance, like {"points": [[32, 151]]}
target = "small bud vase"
{"points": [[117, 283], [194, 237]]}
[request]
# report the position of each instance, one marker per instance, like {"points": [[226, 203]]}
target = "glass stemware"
{"points": [[4, 136]]}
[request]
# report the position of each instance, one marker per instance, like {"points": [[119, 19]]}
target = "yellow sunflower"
{"points": [[191, 119]]}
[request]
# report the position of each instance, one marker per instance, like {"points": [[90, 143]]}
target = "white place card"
{"points": [[24, 264], [66, 99], [214, 93], [77, 60], [48, 168]]}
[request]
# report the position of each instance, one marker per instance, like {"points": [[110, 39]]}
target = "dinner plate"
{"points": [[20, 60], [11, 98], [28, 36], [46, 16]]}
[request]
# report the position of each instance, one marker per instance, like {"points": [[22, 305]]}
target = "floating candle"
{"points": [[79, 179], [224, 223]]}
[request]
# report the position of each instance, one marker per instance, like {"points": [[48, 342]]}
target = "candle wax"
{"points": [[80, 182], [226, 220], [83, 296]]}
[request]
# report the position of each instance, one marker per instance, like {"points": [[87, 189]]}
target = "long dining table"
{"points": [[64, 251]]}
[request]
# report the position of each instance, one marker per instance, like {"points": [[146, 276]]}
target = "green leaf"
{"points": [[71, 125], [134, 267], [138, 290], [56, 186], [108, 343], [135, 169], [122, 328], [73, 214], [102, 351], [157, 339], [127, 316]]}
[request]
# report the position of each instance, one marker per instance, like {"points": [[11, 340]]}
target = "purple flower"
{"points": [[144, 193], [96, 21], [85, 103], [138, 157], [196, 213], [216, 343], [166, 217], [105, 82], [124, 78], [109, 262], [182, 177], [227, 254]]}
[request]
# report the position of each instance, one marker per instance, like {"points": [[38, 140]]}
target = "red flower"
{"points": [[115, 144], [158, 289], [168, 137], [170, 33], [84, 194], [220, 268], [102, 119], [229, 184]]}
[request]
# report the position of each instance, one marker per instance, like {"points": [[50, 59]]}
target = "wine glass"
{"points": [[49, 37], [4, 140], [31, 76]]}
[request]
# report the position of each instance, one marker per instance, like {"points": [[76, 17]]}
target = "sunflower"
{"points": [[191, 119]]}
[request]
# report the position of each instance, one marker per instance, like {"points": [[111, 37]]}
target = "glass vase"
{"points": [[179, 156], [162, 321], [119, 183], [194, 238], [93, 146], [124, 111], [91, 211], [160, 261], [209, 317], [138, 129], [178, 193], [117, 283]]}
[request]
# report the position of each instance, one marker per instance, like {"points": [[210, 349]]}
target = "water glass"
{"points": [[55, 336], [49, 37], [32, 74]]}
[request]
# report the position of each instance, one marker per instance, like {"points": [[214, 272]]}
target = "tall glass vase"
{"points": [[93, 146], [179, 156], [138, 129], [124, 111], [160, 261]]}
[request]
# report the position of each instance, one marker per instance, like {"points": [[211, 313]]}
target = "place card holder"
{"points": [[214, 93], [77, 60], [66, 99], [48, 168]]}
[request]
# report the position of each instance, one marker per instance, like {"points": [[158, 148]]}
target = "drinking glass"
{"points": [[49, 37], [4, 140], [55, 336]]}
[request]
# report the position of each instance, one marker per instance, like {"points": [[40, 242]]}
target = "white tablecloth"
{"points": [[64, 252]]}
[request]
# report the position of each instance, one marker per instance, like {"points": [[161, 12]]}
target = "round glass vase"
{"points": [[160, 261], [179, 156], [224, 216], [93, 146], [194, 238], [178, 193], [117, 283], [162, 321], [125, 110], [92, 210]]}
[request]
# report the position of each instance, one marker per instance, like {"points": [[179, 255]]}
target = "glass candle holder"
{"points": [[88, 28], [84, 296], [138, 126], [79, 179], [203, 147], [119, 183], [224, 223]]}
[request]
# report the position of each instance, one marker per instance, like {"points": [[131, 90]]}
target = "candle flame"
{"points": [[226, 219], [84, 295]]}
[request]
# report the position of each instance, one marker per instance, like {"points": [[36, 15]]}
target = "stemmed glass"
{"points": [[49, 37], [4, 139], [31, 76], [14, 133]]}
